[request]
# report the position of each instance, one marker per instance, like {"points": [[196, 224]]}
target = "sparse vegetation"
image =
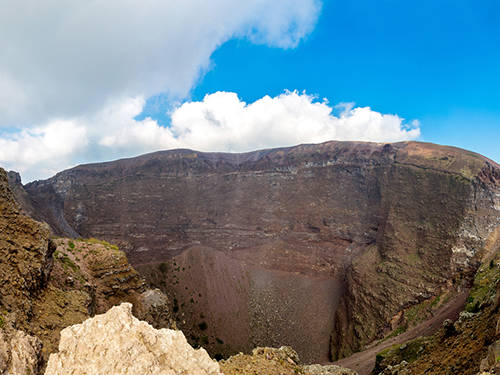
{"points": [[93, 240], [484, 287], [397, 331], [163, 267], [65, 261]]}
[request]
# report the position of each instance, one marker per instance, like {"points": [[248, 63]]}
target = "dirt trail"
{"points": [[364, 362]]}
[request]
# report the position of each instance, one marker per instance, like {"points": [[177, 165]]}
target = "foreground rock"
{"points": [[47, 285], [19, 353], [118, 343], [281, 361]]}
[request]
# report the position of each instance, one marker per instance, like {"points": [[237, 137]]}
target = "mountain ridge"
{"points": [[394, 222]]}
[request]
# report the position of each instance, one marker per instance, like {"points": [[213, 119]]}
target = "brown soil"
{"points": [[229, 307], [364, 362], [295, 310]]}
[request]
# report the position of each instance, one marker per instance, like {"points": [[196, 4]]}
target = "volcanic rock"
{"points": [[39, 296], [276, 361], [26, 256], [396, 223], [473, 345], [19, 353], [327, 370], [118, 343]]}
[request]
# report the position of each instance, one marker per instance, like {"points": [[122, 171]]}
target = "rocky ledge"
{"points": [[119, 343], [48, 284]]}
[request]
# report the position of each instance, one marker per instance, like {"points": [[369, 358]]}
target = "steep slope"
{"points": [[47, 284], [395, 222], [470, 345], [25, 263], [229, 307], [26, 257]]}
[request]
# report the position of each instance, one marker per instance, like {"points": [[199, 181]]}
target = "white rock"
{"points": [[328, 370], [19, 353], [118, 343]]}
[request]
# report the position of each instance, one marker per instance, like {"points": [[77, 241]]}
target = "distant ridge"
{"points": [[393, 222]]}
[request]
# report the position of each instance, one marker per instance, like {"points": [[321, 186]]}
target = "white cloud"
{"points": [[221, 122], [74, 75], [42, 151], [61, 59]]}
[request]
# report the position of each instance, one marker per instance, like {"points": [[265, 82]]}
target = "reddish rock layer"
{"points": [[394, 221]]}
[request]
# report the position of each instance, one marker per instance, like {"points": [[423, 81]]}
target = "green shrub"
{"points": [[163, 267], [93, 240]]}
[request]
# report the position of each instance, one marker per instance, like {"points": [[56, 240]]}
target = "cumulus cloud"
{"points": [[62, 59], [75, 75], [44, 150], [221, 122]]}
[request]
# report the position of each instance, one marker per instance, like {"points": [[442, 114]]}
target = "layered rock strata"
{"points": [[470, 345], [26, 257], [395, 222], [46, 285]]}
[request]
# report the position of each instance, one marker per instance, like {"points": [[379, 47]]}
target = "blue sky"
{"points": [[87, 82], [438, 62]]}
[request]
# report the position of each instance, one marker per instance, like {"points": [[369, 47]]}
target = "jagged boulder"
{"points": [[276, 361], [19, 353], [118, 343], [25, 257], [154, 308], [327, 370]]}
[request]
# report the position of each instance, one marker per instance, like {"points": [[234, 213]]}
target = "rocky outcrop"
{"points": [[276, 361], [118, 343], [48, 284], [327, 370], [19, 353], [469, 345], [26, 257], [21, 196], [395, 222], [89, 277]]}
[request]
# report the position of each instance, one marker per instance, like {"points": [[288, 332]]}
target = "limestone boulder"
{"points": [[19, 353], [119, 343]]}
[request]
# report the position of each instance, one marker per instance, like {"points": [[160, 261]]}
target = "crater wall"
{"points": [[393, 222]]}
